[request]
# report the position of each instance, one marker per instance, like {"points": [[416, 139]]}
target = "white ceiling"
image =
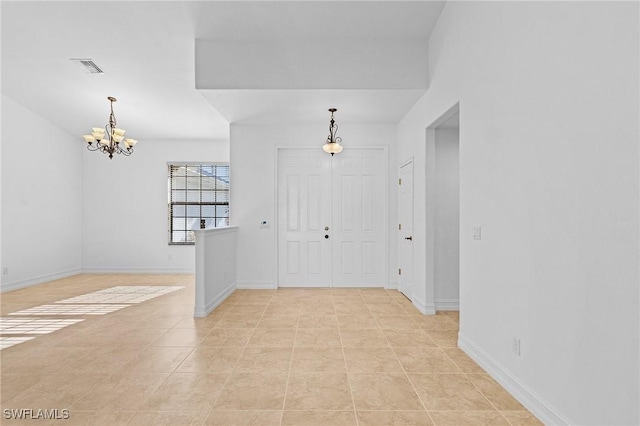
{"points": [[147, 52]]}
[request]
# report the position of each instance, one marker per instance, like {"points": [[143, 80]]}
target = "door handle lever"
{"points": [[410, 238]]}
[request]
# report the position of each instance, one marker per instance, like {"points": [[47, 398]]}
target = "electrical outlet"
{"points": [[515, 345], [5, 271]]}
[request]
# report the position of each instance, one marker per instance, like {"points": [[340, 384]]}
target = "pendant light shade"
{"points": [[332, 145]]}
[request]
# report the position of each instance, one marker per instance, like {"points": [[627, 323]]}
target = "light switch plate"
{"points": [[477, 232]]}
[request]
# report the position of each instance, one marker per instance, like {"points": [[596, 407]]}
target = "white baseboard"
{"points": [[212, 304], [527, 397], [447, 304], [426, 309], [256, 285], [392, 285], [39, 279], [159, 271]]}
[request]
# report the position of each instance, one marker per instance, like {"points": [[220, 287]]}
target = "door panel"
{"points": [[405, 212], [360, 217], [303, 204], [347, 194]]}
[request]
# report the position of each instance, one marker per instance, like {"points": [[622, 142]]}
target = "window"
{"points": [[198, 199]]}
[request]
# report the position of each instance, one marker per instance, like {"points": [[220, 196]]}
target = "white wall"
{"points": [[447, 220], [216, 255], [124, 207], [549, 134], [41, 190], [253, 191], [311, 64]]}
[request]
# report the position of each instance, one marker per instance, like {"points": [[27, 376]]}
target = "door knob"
{"points": [[326, 236], [409, 238]]}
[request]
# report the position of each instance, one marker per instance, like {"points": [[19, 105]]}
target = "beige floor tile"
{"points": [[187, 392], [349, 322], [284, 309], [383, 391], [425, 360], [136, 337], [319, 418], [408, 338], [448, 392], [436, 322], [159, 320], [213, 359], [444, 338], [238, 321], [227, 337], [89, 337], [274, 337], [454, 315], [15, 383], [363, 338], [254, 299], [249, 309], [98, 367], [281, 321], [521, 418], [55, 391], [319, 359], [318, 321], [51, 360], [156, 360], [468, 418], [351, 308], [245, 417], [462, 360], [253, 391], [120, 392], [96, 418], [260, 359], [206, 323], [396, 418], [167, 418], [318, 391], [326, 308], [312, 337], [107, 359], [387, 308], [500, 398], [371, 360], [181, 337], [396, 322]]}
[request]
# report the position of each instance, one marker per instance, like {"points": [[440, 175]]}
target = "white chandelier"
{"points": [[332, 145], [108, 139]]}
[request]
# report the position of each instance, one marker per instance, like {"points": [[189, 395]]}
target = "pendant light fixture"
{"points": [[108, 139], [332, 145]]}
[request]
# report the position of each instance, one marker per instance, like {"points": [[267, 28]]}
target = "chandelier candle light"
{"points": [[332, 145], [108, 139]]}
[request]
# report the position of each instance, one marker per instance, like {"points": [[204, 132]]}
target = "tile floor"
{"points": [[264, 357]]}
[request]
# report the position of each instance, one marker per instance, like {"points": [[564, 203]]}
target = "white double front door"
{"points": [[331, 218]]}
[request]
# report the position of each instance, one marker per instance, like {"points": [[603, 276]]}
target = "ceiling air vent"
{"points": [[89, 65]]}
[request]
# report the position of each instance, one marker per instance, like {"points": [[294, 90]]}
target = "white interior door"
{"points": [[405, 231], [331, 218], [359, 217], [304, 207]]}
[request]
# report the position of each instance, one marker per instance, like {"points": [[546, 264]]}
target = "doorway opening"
{"points": [[443, 211]]}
